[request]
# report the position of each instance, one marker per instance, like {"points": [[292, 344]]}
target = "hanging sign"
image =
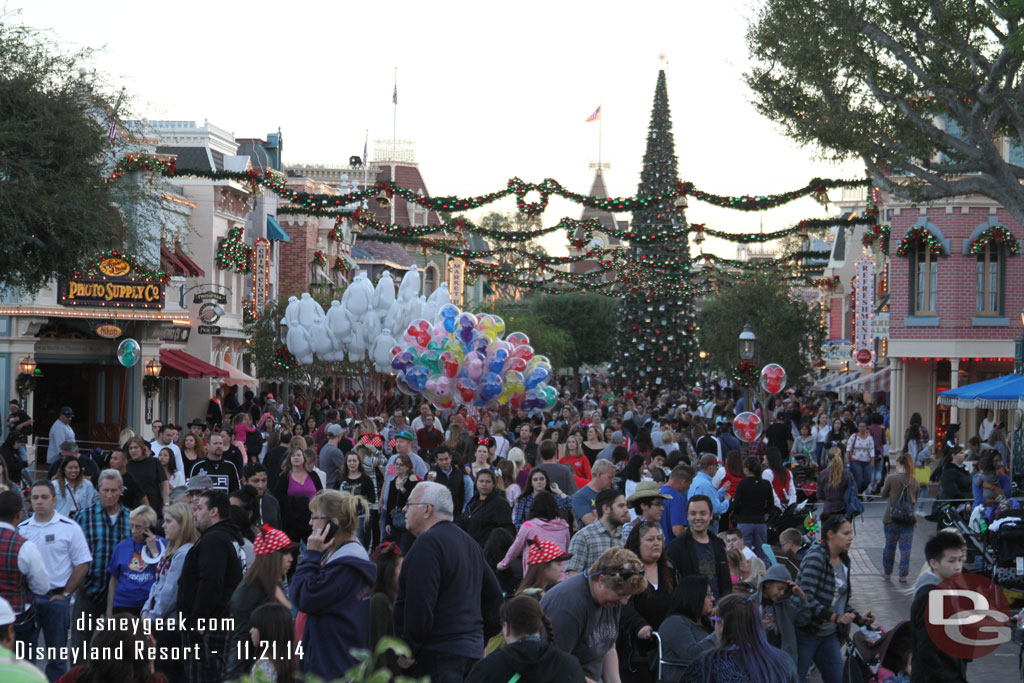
{"points": [[456, 280], [864, 311], [260, 273], [109, 331], [208, 329], [112, 284], [210, 297]]}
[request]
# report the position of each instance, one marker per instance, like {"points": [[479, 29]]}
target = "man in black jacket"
{"points": [[453, 478], [212, 571], [699, 553], [943, 552], [448, 598]]}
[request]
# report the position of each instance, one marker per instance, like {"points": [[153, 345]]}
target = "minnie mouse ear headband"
{"points": [[271, 540], [374, 440], [545, 551]]}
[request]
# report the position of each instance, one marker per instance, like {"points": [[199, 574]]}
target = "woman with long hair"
{"points": [[575, 460], [543, 524], [545, 567], [296, 486], [861, 451], [899, 532], [539, 481], [646, 610], [734, 473], [74, 491], [330, 585], [517, 459], [687, 625], [487, 510], [192, 450], [594, 443], [833, 481], [825, 578], [388, 557], [170, 465], [399, 490], [272, 631], [743, 653], [481, 458], [836, 438], [262, 583], [642, 444], [632, 474], [781, 479]]}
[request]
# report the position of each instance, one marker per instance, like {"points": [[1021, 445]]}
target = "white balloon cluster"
{"points": [[363, 322]]}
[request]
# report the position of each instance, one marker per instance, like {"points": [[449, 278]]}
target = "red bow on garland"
{"points": [[372, 439]]}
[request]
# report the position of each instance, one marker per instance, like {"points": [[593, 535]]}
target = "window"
{"points": [[429, 280], [925, 280], [989, 281]]}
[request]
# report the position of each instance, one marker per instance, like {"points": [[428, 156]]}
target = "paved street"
{"points": [[890, 600]]}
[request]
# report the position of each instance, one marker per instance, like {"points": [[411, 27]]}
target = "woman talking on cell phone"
{"points": [[332, 585]]}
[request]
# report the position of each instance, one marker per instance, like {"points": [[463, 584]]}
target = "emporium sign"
{"points": [[115, 285]]}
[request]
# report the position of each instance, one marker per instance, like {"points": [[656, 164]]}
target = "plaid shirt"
{"points": [[102, 537], [590, 543]]}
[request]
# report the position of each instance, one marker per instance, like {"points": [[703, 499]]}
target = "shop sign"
{"points": [[260, 273], [176, 334], [112, 285], [210, 297], [109, 331], [208, 329], [864, 310]]}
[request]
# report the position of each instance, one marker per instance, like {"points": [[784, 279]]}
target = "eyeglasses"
{"points": [[318, 517], [409, 505]]}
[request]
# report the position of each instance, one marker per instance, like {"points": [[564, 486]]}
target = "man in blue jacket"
{"points": [[448, 598]]}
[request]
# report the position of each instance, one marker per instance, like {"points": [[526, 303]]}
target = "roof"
{"points": [[407, 177], [275, 231], [191, 157], [477, 243], [391, 252], [607, 220]]}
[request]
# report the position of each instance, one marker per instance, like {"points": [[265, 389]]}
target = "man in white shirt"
{"points": [[60, 431], [166, 437], [66, 554], [26, 575]]}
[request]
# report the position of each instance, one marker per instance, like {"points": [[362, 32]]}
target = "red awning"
{"points": [[190, 265], [170, 262], [180, 365]]}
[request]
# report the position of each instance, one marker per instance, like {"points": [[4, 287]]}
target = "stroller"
{"points": [[980, 556], [805, 478], [878, 656], [790, 518]]}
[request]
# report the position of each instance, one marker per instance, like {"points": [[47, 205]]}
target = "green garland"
{"points": [[917, 237], [817, 187], [804, 226], [998, 235], [283, 360], [150, 386], [25, 384], [880, 233], [139, 271], [233, 253]]}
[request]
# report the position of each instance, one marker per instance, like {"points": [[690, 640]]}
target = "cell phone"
{"points": [[332, 529]]}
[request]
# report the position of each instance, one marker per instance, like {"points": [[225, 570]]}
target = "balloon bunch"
{"points": [[465, 359], [362, 322]]}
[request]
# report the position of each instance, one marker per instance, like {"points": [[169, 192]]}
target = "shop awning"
{"points": [[832, 382], [191, 267], [275, 231], [237, 377], [180, 365], [876, 381]]}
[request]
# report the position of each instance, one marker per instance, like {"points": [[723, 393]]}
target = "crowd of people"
{"points": [[612, 538]]}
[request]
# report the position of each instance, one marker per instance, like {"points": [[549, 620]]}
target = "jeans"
{"points": [[824, 651], [90, 609], [819, 451], [441, 667], [23, 452], [902, 535], [53, 618], [877, 475], [862, 472], [754, 536]]}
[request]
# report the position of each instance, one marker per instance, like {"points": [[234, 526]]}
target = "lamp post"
{"points": [[748, 349], [26, 366], [153, 368], [1018, 353]]}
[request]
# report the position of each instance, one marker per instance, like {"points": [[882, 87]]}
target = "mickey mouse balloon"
{"points": [[747, 426], [773, 378]]}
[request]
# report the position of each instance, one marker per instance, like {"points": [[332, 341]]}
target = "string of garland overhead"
{"points": [[166, 165], [804, 227]]}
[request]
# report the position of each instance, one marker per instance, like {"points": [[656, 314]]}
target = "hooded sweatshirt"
{"points": [[212, 571], [334, 591], [788, 612], [533, 660], [555, 530]]}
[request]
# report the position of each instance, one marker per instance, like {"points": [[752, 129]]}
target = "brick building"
{"points": [[955, 303]]}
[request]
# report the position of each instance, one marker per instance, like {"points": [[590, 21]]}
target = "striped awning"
{"points": [[876, 381], [832, 382]]}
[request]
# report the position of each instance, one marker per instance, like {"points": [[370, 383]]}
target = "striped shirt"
{"points": [[102, 535]]}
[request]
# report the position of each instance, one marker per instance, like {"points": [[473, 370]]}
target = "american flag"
{"points": [[394, 97], [112, 131], [596, 115], [112, 124]]}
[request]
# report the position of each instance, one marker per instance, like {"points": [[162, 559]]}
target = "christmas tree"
{"points": [[656, 338]]}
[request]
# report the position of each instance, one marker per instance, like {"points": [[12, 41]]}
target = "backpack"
{"points": [[902, 512], [854, 506]]}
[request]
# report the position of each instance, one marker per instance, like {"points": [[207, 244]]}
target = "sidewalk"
{"points": [[890, 600]]}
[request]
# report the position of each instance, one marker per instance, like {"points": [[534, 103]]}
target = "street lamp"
{"points": [[153, 368], [748, 343], [1018, 355], [27, 366]]}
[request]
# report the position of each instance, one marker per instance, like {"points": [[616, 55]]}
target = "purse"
{"points": [[398, 519]]}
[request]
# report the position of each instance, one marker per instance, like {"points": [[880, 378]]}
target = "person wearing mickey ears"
{"points": [[262, 584], [332, 586]]}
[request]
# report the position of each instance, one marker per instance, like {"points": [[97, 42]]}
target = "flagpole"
{"points": [[600, 135]]}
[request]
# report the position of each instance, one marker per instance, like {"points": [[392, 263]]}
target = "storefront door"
{"points": [[97, 394]]}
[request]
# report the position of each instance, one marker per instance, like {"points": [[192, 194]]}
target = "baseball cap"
{"points": [[545, 551], [404, 434], [618, 439], [66, 410], [335, 430], [271, 540], [200, 482], [6, 613]]}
